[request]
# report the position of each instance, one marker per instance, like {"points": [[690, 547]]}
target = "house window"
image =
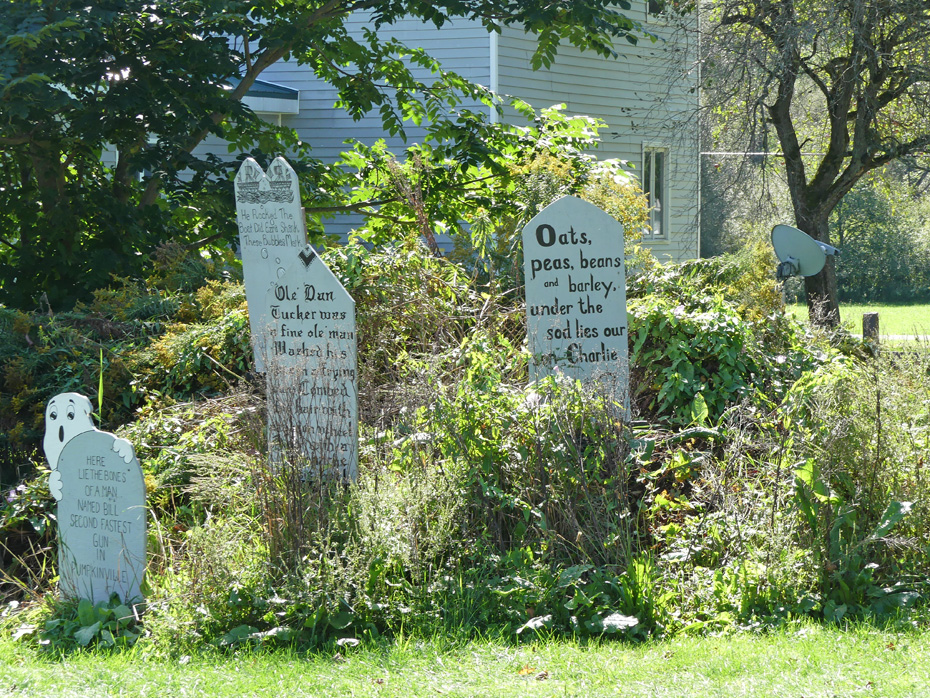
{"points": [[659, 11], [655, 187]]}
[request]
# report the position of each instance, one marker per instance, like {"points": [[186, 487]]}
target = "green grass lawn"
{"points": [[801, 660], [893, 319]]}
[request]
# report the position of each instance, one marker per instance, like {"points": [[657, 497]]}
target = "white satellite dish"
{"points": [[798, 253]]}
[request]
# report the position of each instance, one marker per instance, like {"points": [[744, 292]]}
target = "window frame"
{"points": [[658, 213], [657, 12]]}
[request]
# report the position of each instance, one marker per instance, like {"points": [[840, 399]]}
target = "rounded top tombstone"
{"points": [[101, 520], [575, 280]]}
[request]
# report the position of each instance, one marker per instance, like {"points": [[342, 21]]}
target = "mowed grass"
{"points": [[805, 660], [893, 319]]}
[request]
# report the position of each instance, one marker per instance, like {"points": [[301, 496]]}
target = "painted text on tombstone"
{"points": [[576, 296], [271, 230], [311, 363], [101, 505]]}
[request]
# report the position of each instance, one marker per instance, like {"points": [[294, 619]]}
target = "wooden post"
{"points": [[870, 326]]}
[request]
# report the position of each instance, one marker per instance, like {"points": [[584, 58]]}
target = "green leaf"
{"points": [[237, 635], [806, 506], [102, 610], [902, 599], [86, 612], [123, 614], [699, 411], [572, 574], [834, 612], [281, 633], [806, 472], [809, 474], [893, 514], [86, 634], [342, 620]]}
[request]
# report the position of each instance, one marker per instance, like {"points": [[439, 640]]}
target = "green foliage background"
{"points": [[104, 105], [768, 474], [884, 231]]}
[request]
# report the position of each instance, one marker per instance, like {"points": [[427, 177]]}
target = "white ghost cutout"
{"points": [[66, 416]]}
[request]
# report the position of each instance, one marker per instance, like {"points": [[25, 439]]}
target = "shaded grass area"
{"points": [[893, 319], [800, 660]]}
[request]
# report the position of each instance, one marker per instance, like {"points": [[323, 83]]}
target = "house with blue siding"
{"points": [[648, 97]]}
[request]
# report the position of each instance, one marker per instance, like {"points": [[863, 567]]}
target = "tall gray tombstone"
{"points": [[576, 296], [311, 368], [100, 490], [271, 231]]}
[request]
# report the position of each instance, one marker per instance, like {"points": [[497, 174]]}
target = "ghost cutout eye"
{"points": [[70, 411], [53, 414]]}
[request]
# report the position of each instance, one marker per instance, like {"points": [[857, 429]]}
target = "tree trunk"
{"points": [[823, 306], [820, 291], [49, 171]]}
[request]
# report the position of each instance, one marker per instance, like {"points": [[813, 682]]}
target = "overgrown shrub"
{"points": [[46, 353], [391, 286], [756, 483], [544, 469], [697, 341], [493, 243], [201, 357], [882, 230], [862, 431], [54, 354]]}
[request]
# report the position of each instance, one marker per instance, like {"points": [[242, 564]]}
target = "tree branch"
{"points": [[11, 245], [261, 61], [15, 140]]}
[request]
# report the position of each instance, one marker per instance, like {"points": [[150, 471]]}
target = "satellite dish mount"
{"points": [[798, 253]]}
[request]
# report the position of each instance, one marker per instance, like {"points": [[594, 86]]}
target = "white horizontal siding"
{"points": [[461, 47], [645, 95]]}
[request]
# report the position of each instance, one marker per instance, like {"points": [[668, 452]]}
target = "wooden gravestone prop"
{"points": [[576, 297], [100, 490], [271, 231], [311, 369]]}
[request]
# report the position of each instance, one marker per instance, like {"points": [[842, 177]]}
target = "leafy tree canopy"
{"points": [[844, 88], [152, 79]]}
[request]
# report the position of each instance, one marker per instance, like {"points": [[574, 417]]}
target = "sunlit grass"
{"points": [[801, 660], [893, 319]]}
